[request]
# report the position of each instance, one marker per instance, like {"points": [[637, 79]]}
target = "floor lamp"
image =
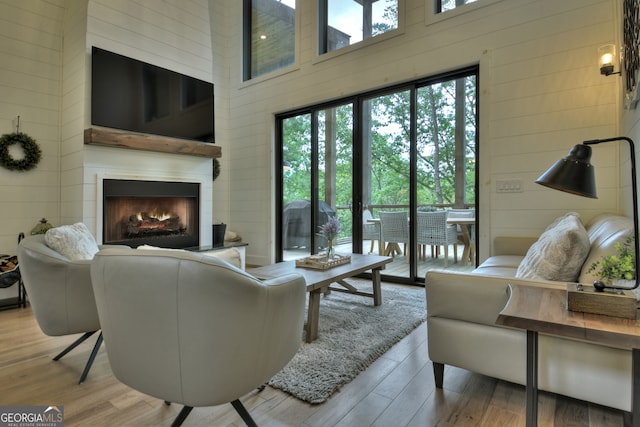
{"points": [[575, 174]]}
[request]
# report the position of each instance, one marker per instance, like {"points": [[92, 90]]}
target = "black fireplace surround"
{"points": [[156, 213]]}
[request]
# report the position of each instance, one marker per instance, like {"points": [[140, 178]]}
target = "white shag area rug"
{"points": [[352, 334]]}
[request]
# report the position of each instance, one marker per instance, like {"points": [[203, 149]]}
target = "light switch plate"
{"points": [[509, 186]]}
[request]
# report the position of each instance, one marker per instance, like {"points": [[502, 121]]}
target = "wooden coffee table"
{"points": [[319, 281]]}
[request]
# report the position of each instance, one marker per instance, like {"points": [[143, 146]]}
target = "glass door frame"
{"points": [[358, 163]]}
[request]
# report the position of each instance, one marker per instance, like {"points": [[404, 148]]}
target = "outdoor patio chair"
{"points": [[394, 229], [433, 230], [370, 230]]}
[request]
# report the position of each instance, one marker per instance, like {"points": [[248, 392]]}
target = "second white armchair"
{"points": [[193, 329]]}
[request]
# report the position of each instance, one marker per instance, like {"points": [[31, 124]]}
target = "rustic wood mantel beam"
{"points": [[141, 141]]}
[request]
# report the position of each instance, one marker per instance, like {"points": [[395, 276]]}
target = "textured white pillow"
{"points": [[559, 252], [73, 241]]}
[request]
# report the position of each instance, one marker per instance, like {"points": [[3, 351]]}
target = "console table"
{"points": [[539, 309]]}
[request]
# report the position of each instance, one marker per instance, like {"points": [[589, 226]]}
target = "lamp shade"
{"points": [[574, 174]]}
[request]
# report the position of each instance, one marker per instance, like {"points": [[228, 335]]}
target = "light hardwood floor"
{"points": [[396, 390]]}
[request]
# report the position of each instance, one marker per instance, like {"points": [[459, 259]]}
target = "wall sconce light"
{"points": [[607, 59]]}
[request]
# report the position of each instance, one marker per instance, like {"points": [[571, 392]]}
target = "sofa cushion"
{"points": [[605, 230], [73, 241], [499, 265], [559, 252]]}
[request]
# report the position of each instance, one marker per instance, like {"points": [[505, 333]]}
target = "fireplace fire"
{"points": [[157, 213], [154, 224]]}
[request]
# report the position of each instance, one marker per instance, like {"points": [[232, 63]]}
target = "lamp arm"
{"points": [[634, 188]]}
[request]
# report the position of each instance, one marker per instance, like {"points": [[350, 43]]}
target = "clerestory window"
{"points": [[269, 36], [446, 5], [346, 22], [440, 10]]}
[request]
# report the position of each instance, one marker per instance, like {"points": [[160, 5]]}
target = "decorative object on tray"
{"points": [[41, 228], [320, 261], [329, 231], [615, 267]]}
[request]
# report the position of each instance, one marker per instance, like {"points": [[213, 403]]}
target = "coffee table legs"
{"points": [[377, 289], [313, 312]]}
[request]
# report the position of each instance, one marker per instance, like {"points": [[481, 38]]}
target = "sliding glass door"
{"points": [[317, 167], [445, 157], [386, 181], [408, 150]]}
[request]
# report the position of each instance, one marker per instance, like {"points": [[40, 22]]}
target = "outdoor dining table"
{"points": [[469, 252]]}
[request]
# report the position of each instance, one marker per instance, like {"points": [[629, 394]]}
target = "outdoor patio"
{"points": [[399, 267]]}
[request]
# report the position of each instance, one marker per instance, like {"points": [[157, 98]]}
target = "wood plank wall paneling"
{"points": [[540, 93], [30, 73]]}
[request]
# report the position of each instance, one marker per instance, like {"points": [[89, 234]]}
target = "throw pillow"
{"points": [[73, 241], [559, 252]]}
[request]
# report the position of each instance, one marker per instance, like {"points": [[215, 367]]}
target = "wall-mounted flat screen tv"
{"points": [[131, 95]]}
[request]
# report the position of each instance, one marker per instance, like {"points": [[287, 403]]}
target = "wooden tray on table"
{"points": [[320, 262]]}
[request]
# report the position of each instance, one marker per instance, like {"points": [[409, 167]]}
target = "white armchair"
{"points": [[60, 293], [193, 329]]}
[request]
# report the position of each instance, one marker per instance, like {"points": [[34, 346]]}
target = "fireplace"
{"points": [[157, 213]]}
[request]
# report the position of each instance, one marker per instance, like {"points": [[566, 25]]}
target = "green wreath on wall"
{"points": [[32, 153], [216, 168]]}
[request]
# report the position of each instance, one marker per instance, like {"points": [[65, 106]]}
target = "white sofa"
{"points": [[462, 309]]}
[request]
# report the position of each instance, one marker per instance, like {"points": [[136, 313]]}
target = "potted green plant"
{"points": [[611, 269]]}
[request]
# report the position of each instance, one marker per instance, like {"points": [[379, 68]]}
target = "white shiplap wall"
{"points": [[541, 93], [30, 79], [220, 41], [173, 34], [45, 78], [73, 111]]}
